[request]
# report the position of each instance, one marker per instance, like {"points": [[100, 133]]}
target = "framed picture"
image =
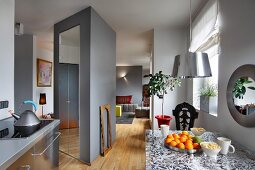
{"points": [[44, 73]]}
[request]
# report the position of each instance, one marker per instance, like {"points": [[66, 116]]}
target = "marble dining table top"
{"points": [[159, 157]]}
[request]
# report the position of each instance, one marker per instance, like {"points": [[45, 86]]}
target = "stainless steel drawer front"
{"points": [[51, 143]]}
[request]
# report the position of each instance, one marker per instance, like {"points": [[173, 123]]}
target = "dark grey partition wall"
{"points": [[81, 18], [97, 76], [23, 71]]}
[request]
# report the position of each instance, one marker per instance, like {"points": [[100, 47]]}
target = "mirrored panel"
{"points": [[241, 95], [244, 95], [68, 87]]}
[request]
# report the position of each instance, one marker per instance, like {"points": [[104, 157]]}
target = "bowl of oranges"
{"points": [[182, 142]]}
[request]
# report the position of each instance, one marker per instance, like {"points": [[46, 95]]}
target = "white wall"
{"points": [[237, 48], [167, 44], [7, 54], [43, 50]]}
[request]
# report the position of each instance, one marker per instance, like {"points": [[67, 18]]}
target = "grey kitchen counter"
{"points": [[12, 149]]}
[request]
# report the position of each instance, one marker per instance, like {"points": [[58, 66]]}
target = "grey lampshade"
{"points": [[192, 65]]}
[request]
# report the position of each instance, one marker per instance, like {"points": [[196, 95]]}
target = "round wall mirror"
{"points": [[241, 95]]}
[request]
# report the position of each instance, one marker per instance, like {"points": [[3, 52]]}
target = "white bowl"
{"points": [[210, 152], [197, 132]]}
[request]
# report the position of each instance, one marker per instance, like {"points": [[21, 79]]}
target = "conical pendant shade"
{"points": [[192, 65]]}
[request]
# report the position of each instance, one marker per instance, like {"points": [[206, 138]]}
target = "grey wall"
{"points": [[102, 73], [168, 43], [23, 71], [131, 84], [237, 48], [145, 79], [83, 19], [97, 76], [7, 54]]}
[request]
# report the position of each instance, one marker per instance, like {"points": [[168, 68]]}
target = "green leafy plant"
{"points": [[160, 83], [209, 90], [240, 89]]}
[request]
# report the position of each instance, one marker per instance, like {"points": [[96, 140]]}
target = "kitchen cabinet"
{"points": [[24, 162], [43, 155]]}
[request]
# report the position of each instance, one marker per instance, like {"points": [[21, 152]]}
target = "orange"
{"points": [[168, 140], [173, 143], [189, 146], [176, 136], [190, 136], [169, 136], [183, 139], [185, 133], [177, 141], [182, 135], [196, 146], [181, 146], [189, 141]]}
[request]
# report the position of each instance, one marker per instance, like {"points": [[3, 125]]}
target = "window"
{"points": [[205, 33]]}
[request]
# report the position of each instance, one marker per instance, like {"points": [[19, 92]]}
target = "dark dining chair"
{"points": [[185, 115]]}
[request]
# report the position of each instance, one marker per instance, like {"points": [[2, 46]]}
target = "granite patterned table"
{"points": [[159, 157]]}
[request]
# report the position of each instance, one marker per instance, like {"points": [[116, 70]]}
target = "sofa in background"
{"points": [[128, 107], [126, 103]]}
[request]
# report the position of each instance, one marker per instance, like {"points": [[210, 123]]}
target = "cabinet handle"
{"points": [[27, 167], [68, 101], [39, 154]]}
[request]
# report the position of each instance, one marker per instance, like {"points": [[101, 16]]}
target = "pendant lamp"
{"points": [[191, 64]]}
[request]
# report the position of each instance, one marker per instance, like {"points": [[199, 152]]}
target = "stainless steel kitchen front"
{"points": [[43, 155], [38, 151]]}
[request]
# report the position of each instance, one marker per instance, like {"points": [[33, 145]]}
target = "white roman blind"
{"points": [[205, 27], [205, 38]]}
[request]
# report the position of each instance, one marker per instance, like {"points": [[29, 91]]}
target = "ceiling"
{"points": [[131, 19], [134, 48]]}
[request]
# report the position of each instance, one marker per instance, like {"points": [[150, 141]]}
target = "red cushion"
{"points": [[123, 99]]}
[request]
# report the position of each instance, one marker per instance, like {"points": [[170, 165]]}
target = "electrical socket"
{"points": [[4, 104]]}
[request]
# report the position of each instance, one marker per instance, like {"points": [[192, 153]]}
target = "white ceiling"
{"points": [[131, 19], [134, 48]]}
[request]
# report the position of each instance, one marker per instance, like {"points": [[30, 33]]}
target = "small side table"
{"points": [[142, 112], [118, 111]]}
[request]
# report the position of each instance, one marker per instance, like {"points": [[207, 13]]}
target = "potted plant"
{"points": [[240, 89], [159, 84], [208, 98]]}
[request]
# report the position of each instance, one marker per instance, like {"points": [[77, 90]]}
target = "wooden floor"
{"points": [[128, 150], [69, 141]]}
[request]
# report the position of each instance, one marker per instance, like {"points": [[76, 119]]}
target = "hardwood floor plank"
{"points": [[127, 153]]}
